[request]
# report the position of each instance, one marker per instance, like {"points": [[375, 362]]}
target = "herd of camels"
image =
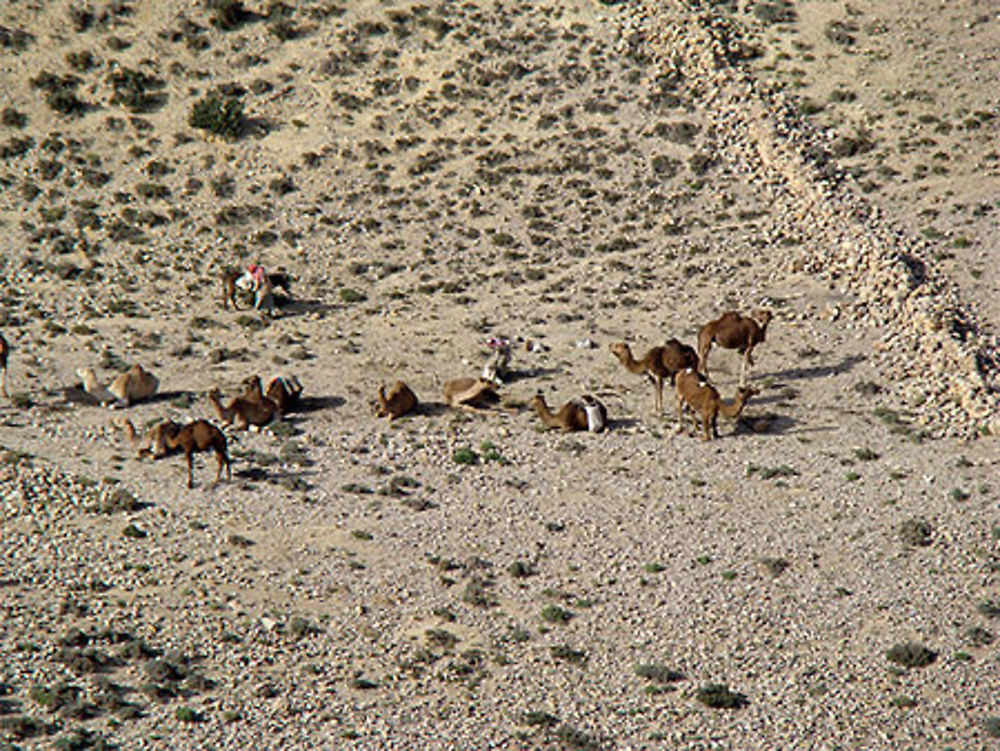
{"points": [[674, 362]]}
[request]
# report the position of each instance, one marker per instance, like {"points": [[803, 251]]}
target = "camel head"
{"points": [[621, 350], [763, 317]]}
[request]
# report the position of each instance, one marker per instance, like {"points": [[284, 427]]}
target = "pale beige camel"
{"points": [[692, 389], [471, 395], [398, 401], [734, 331], [659, 363], [134, 385]]}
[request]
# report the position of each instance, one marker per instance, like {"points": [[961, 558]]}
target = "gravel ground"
{"points": [[824, 575]]}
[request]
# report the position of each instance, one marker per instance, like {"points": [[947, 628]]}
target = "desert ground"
{"points": [[565, 174]]}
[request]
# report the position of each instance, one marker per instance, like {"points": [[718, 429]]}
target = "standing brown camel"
{"points": [[196, 437], [733, 331], [659, 363], [706, 402]]}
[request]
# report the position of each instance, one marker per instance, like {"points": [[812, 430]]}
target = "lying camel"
{"points": [[399, 401], [154, 443], [694, 390], [659, 363], [241, 413], [284, 391], [4, 353], [196, 437], [585, 414], [471, 395], [134, 385], [733, 331]]}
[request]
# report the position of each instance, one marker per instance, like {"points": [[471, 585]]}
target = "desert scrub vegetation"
{"points": [[133, 90], [719, 696], [220, 114], [911, 655], [228, 14], [60, 93]]}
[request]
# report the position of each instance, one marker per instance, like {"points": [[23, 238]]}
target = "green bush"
{"points": [[218, 113]]}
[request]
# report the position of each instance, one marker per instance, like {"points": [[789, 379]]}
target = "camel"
{"points": [[4, 354], [733, 331], [471, 394], [134, 385], [284, 391], [585, 414], [229, 277], [659, 363], [242, 412], [694, 390], [154, 443], [398, 402], [196, 437]]}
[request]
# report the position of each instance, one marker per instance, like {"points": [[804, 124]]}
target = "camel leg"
{"points": [[745, 369], [703, 360], [680, 414], [659, 395], [3, 381], [190, 462], [706, 423]]}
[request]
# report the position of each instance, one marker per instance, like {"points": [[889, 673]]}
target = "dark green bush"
{"points": [[228, 14], [220, 114]]}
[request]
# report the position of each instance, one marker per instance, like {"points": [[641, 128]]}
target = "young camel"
{"points": [[705, 401], [399, 401], [659, 363], [471, 395], [229, 277], [154, 443], [196, 437], [242, 412], [4, 354], [284, 391], [733, 331], [134, 385], [586, 414]]}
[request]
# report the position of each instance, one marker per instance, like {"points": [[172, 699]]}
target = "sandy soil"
{"points": [[432, 176]]}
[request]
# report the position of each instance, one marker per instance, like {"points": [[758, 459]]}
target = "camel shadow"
{"points": [[621, 423], [767, 423], [179, 397], [309, 404], [288, 308], [291, 481], [819, 371], [524, 374]]}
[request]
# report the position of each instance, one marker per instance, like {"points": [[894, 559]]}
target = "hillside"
{"points": [[566, 175]]}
